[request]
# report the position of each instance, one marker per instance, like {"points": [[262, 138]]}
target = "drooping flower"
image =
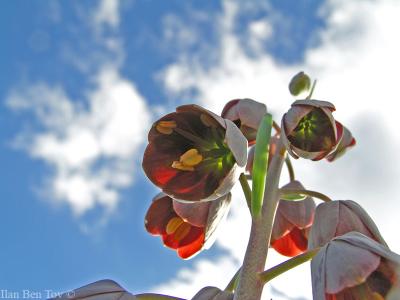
{"points": [[247, 115], [292, 223], [354, 267], [186, 227], [212, 293], [194, 155], [107, 290], [338, 217], [309, 129], [346, 141]]}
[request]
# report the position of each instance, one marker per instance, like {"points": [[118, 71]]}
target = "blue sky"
{"points": [[82, 81]]}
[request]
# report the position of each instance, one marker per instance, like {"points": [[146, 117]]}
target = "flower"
{"points": [[354, 266], [292, 223], [338, 217], [194, 155], [247, 115], [212, 293], [309, 129], [186, 227], [346, 141], [107, 289]]}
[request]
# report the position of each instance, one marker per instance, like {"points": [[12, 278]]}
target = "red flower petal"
{"points": [[291, 244]]}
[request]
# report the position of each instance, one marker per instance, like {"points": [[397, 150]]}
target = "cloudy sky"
{"points": [[82, 81]]}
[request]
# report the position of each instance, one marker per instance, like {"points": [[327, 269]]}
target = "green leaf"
{"points": [[292, 197], [260, 164]]}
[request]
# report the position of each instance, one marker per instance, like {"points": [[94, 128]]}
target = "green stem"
{"points": [[287, 265], [306, 193], [312, 89], [246, 189], [250, 285], [290, 168], [231, 287]]}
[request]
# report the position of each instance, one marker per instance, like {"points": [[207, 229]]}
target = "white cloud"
{"points": [[356, 63], [107, 13], [91, 145]]}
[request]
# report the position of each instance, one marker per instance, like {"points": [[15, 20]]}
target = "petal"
{"points": [[159, 214], [347, 265], [194, 213], [291, 244], [191, 249]]}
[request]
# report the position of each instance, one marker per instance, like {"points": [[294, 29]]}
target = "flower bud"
{"points": [[346, 141], [194, 155], [336, 218], [354, 266], [186, 227], [247, 115], [299, 83], [309, 130], [292, 222]]}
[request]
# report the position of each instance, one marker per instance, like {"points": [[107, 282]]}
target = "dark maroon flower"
{"points": [[354, 267], [309, 130], [247, 115], [186, 227], [194, 155], [339, 217], [292, 223]]}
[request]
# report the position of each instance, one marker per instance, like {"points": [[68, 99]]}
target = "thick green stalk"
{"points": [[250, 285]]}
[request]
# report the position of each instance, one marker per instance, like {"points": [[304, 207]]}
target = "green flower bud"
{"points": [[301, 82]]}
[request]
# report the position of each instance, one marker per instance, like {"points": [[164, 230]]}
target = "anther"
{"points": [[166, 127]]}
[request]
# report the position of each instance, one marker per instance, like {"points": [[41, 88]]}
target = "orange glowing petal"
{"points": [[193, 248], [291, 244]]}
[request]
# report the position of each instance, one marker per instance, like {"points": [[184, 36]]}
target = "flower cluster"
{"points": [[195, 157]]}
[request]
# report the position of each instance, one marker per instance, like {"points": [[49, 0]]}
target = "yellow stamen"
{"points": [[178, 165], [188, 160], [173, 225], [377, 296], [182, 231], [207, 120], [191, 158], [166, 127]]}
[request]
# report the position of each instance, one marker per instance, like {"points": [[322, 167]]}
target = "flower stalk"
{"points": [[250, 285], [315, 194], [287, 265]]}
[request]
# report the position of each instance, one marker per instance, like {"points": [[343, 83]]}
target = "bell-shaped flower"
{"points": [[186, 227], [309, 129], [247, 115], [338, 217], [346, 141], [107, 290], [212, 293], [354, 266], [194, 155], [292, 223]]}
